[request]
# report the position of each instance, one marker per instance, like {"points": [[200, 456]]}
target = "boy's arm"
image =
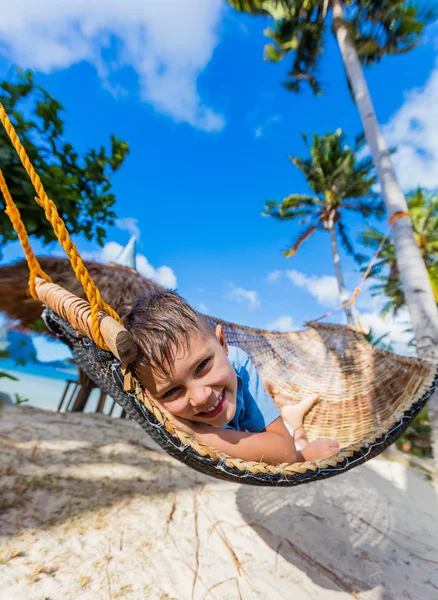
{"points": [[274, 445]]}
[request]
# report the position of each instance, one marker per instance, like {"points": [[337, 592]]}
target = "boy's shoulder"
{"points": [[255, 409], [237, 357]]}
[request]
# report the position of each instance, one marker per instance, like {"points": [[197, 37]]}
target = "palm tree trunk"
{"points": [[343, 293], [415, 281]]}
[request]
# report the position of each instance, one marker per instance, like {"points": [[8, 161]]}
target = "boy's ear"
{"points": [[221, 338]]}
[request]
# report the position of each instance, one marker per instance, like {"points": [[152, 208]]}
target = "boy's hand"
{"points": [[181, 424], [320, 448]]}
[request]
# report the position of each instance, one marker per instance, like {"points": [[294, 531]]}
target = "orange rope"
{"points": [[90, 289], [17, 223], [392, 219]]}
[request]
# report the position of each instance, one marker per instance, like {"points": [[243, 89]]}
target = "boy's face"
{"points": [[202, 386]]}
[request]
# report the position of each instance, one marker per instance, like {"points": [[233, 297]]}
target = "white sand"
{"points": [[40, 391], [91, 509], [46, 392]]}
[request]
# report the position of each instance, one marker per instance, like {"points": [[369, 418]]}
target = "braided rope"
{"points": [[61, 232], [17, 223]]}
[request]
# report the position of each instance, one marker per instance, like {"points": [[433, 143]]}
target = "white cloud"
{"points": [[324, 289], [129, 224], [261, 129], [395, 327], [274, 275], [162, 275], [48, 350], [283, 323], [369, 311], [167, 42], [239, 294], [203, 308], [414, 130]]}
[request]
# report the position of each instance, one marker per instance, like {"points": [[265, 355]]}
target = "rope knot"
{"points": [[396, 216]]}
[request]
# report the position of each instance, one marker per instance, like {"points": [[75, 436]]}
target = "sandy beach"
{"points": [[38, 390], [92, 509], [45, 392]]}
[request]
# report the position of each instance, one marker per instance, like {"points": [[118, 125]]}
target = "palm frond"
{"points": [[423, 210], [390, 27], [255, 7], [373, 207], [376, 27], [297, 30], [333, 167], [433, 276], [292, 207], [300, 240], [299, 201]]}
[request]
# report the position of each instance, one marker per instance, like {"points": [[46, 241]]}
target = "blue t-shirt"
{"points": [[255, 409]]}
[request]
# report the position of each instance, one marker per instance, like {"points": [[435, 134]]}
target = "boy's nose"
{"points": [[199, 396]]}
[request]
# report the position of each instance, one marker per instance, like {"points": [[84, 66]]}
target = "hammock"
{"points": [[368, 396]]}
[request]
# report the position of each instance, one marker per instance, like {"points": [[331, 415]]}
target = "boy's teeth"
{"points": [[216, 404]]}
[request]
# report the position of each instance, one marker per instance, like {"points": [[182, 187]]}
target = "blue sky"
{"points": [[209, 128]]}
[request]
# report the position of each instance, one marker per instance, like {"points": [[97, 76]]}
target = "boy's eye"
{"points": [[203, 364], [174, 390], [170, 392]]}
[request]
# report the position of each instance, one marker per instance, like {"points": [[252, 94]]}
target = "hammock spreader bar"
{"points": [[78, 313]]}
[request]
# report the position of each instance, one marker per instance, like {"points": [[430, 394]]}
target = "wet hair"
{"points": [[160, 324]]}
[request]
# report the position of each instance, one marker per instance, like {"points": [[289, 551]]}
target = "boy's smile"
{"points": [[202, 384], [217, 407]]}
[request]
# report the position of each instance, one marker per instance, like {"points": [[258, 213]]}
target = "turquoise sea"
{"points": [[38, 369], [42, 386]]}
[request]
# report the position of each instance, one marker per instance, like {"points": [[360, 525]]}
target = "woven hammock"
{"points": [[367, 396]]}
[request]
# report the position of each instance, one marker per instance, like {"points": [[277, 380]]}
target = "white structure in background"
{"points": [[114, 253], [127, 257]]}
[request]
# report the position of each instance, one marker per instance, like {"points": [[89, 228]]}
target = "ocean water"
{"points": [[43, 386], [38, 369]]}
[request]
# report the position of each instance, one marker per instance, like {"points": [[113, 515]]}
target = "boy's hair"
{"points": [[160, 324]]}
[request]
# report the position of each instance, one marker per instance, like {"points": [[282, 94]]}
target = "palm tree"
{"points": [[341, 183], [367, 31], [423, 209]]}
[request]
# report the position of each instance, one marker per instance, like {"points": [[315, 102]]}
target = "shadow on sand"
{"points": [[371, 529], [46, 479]]}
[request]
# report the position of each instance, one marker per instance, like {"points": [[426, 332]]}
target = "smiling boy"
{"points": [[211, 390]]}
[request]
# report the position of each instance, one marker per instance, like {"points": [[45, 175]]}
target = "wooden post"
{"points": [[86, 386]]}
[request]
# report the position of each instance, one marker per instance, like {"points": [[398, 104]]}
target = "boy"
{"points": [[212, 390]]}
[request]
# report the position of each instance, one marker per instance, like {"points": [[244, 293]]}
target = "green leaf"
{"points": [[19, 399], [272, 54], [80, 184], [7, 376], [423, 209]]}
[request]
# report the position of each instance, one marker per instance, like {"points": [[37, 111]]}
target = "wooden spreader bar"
{"points": [[77, 312]]}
